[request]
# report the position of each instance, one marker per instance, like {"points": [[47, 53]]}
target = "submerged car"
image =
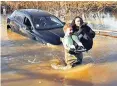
{"points": [[36, 24]]}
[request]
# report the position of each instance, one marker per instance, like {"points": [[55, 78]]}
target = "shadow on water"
{"points": [[109, 59], [104, 50]]}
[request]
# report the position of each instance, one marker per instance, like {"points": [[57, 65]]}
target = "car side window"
{"points": [[19, 18], [27, 22]]}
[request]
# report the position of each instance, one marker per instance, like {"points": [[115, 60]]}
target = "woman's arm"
{"points": [[89, 32]]}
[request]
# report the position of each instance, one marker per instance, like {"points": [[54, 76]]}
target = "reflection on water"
{"points": [[97, 20], [98, 68], [102, 21]]}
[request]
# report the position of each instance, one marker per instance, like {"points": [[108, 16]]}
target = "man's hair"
{"points": [[66, 26]]}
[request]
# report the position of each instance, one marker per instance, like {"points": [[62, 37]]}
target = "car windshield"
{"points": [[47, 22]]}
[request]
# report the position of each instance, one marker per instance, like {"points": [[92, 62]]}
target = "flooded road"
{"points": [[27, 62]]}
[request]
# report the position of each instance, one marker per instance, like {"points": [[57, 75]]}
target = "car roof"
{"points": [[35, 12]]}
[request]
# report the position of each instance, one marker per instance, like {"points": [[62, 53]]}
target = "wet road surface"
{"points": [[27, 62]]}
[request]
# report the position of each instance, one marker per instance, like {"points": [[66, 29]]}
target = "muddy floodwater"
{"points": [[25, 62]]}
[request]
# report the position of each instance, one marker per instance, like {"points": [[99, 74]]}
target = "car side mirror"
{"points": [[24, 27], [31, 28], [27, 28]]}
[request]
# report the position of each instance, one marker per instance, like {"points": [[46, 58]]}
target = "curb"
{"points": [[106, 33]]}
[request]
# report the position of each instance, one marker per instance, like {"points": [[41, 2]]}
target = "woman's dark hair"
{"points": [[73, 22]]}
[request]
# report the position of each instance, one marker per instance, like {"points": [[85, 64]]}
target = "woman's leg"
{"points": [[76, 39]]}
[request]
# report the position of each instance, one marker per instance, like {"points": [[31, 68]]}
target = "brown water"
{"points": [[27, 62]]}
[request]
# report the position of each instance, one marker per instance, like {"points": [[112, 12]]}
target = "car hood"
{"points": [[51, 36]]}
